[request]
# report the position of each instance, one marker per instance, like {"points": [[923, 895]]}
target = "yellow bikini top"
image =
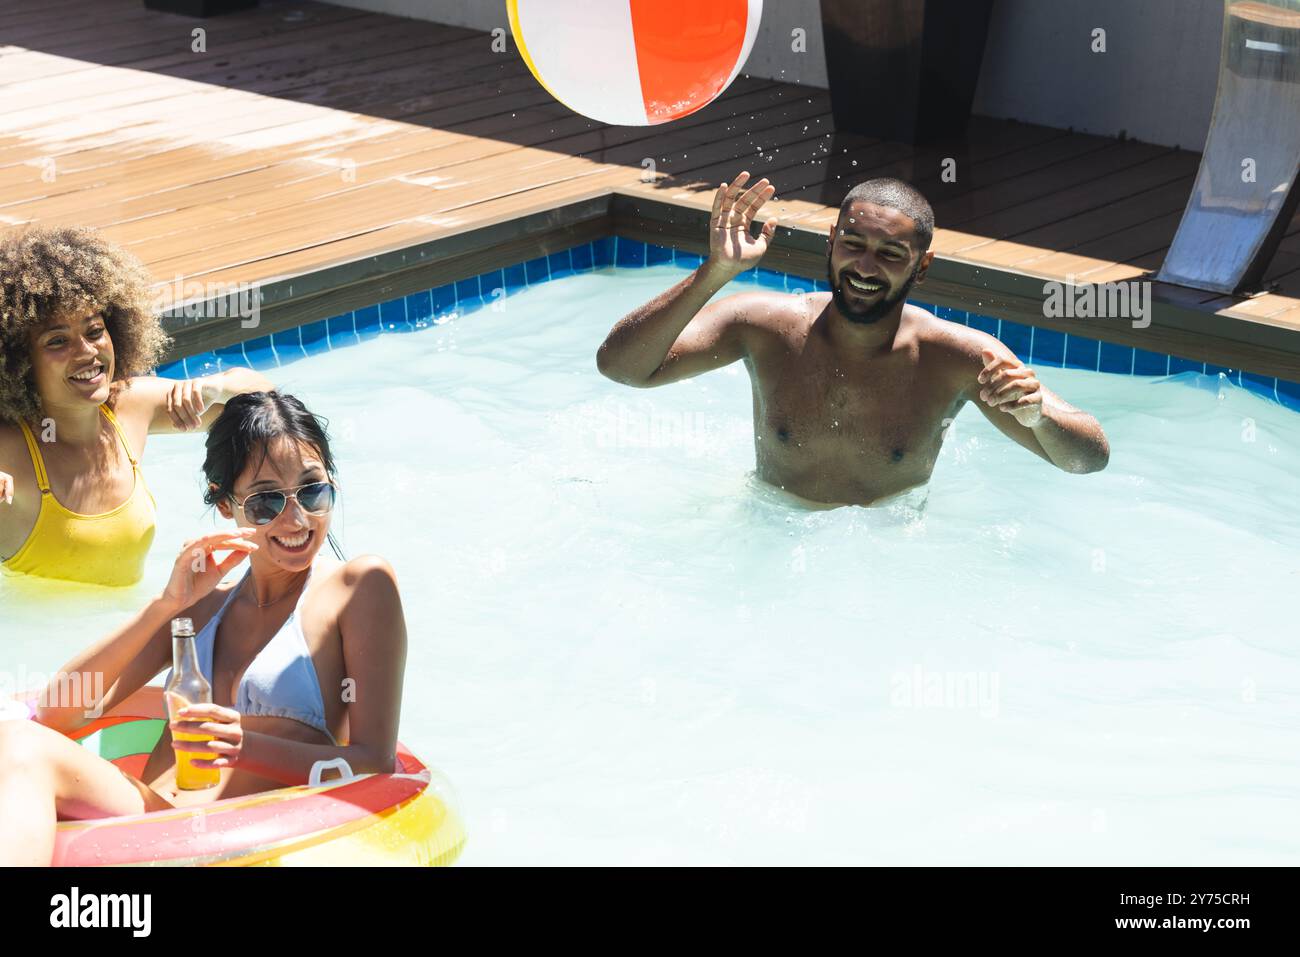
{"points": [[105, 549]]}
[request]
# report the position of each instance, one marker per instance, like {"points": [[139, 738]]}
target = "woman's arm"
{"points": [[20, 502], [287, 761], [184, 405], [103, 675], [373, 630], [110, 671], [13, 450]]}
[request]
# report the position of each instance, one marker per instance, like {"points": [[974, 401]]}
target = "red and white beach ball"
{"points": [[635, 62]]}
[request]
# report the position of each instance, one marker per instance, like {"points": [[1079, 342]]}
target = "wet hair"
{"points": [[46, 272], [247, 427], [896, 194]]}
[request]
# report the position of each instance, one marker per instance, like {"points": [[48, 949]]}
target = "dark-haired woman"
{"points": [[77, 336], [304, 653]]}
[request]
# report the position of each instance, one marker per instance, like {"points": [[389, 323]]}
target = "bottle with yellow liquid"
{"points": [[188, 686]]}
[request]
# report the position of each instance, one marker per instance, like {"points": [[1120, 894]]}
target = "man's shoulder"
{"points": [[954, 351], [777, 312], [948, 338], [769, 301]]}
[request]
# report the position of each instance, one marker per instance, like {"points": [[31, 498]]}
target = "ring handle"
{"points": [[338, 764]]}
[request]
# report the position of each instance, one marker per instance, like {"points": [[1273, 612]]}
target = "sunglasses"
{"points": [[262, 508]]}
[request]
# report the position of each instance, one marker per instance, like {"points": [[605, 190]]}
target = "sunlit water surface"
{"points": [[625, 650]]}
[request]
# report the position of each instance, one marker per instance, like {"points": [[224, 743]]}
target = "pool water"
{"points": [[627, 651]]}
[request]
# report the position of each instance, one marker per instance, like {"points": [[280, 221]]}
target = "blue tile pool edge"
{"points": [[432, 307]]}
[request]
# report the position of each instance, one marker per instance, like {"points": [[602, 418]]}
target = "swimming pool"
{"points": [[625, 651]]}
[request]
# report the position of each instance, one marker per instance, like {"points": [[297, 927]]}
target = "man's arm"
{"points": [[1023, 409], [676, 335], [714, 336]]}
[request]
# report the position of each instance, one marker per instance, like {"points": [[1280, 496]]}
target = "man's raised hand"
{"points": [[731, 246]]}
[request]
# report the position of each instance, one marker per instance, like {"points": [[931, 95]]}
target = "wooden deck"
{"points": [[310, 136]]}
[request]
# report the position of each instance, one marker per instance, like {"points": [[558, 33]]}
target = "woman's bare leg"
{"points": [[45, 776]]}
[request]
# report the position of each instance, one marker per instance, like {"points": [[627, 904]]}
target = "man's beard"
{"points": [[867, 314]]}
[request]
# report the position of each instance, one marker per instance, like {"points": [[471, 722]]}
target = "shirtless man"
{"points": [[852, 388]]}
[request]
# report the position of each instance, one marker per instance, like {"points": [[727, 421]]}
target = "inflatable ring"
{"points": [[403, 818]]}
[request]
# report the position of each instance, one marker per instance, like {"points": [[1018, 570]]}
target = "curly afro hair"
{"points": [[47, 271]]}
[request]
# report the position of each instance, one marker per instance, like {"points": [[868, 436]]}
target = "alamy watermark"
{"points": [[63, 689], [619, 425], [919, 688], [77, 909], [1106, 300], [211, 300]]}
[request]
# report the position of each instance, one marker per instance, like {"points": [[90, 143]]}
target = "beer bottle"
{"points": [[188, 686]]}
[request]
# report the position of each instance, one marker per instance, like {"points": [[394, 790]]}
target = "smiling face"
{"points": [[292, 539], [72, 360], [873, 261]]}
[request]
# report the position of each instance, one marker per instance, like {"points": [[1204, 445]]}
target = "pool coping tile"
{"points": [[1034, 345]]}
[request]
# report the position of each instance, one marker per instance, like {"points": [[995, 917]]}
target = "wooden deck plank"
{"points": [[1113, 219], [464, 111], [1098, 179], [408, 167], [422, 229], [280, 75], [1289, 316], [142, 43], [422, 153], [984, 180], [1132, 246], [394, 56], [364, 214], [49, 20], [998, 151]]}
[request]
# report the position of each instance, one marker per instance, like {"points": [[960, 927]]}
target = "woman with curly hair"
{"points": [[78, 339]]}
